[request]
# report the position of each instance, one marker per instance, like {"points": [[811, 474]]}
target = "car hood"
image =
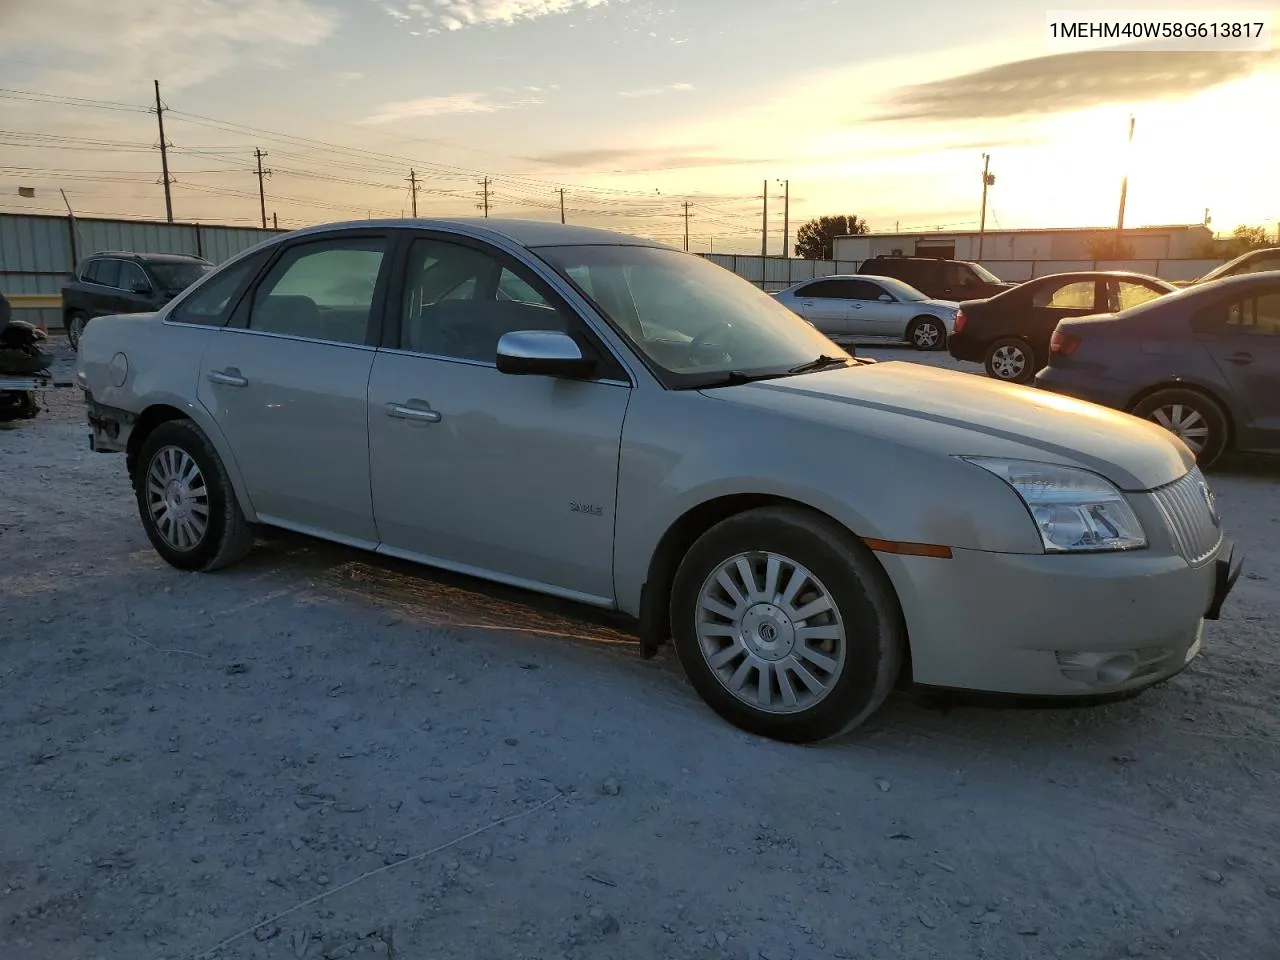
{"points": [[952, 305], [961, 414]]}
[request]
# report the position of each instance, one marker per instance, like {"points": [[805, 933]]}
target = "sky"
{"points": [[633, 108]]}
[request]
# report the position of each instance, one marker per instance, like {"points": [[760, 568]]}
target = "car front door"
{"points": [[287, 381], [506, 476], [1243, 337], [823, 304], [133, 290], [875, 312]]}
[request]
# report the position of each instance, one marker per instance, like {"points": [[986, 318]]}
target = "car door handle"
{"points": [[230, 377], [404, 412], [1240, 358]]}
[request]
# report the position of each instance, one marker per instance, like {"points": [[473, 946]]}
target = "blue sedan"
{"points": [[1203, 362]]}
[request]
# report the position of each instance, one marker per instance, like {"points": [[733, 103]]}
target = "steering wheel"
{"points": [[703, 340]]}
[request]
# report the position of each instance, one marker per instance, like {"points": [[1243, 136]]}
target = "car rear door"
{"points": [[872, 316], [506, 476], [1130, 292], [99, 297], [287, 382], [824, 303], [1243, 337]]}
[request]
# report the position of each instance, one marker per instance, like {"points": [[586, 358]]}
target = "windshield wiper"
{"points": [[821, 363], [733, 378]]}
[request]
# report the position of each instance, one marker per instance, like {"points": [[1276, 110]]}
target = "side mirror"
{"points": [[547, 353], [141, 287], [885, 298]]}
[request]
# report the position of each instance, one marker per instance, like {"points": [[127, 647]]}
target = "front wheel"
{"points": [[786, 625], [927, 333], [76, 321], [1190, 416], [185, 499], [1011, 360]]}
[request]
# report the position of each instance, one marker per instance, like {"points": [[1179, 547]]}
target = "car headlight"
{"points": [[1075, 510]]}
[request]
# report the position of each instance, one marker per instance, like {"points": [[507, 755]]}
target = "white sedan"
{"points": [[872, 308]]}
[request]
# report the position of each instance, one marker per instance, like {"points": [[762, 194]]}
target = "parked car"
{"points": [[1009, 333], [1255, 261], [938, 279], [1204, 363], [881, 308], [600, 418], [109, 282]]}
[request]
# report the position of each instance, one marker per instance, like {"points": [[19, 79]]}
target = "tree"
{"points": [[1242, 240], [1109, 248], [816, 239]]}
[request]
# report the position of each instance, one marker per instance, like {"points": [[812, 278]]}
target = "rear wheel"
{"points": [[1012, 360], [76, 320], [786, 625], [185, 499], [927, 333], [1192, 417]]}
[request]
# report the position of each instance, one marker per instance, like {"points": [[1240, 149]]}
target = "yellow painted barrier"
{"points": [[34, 301]]}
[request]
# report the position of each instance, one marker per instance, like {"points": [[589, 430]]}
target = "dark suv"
{"points": [[109, 282], [938, 279]]}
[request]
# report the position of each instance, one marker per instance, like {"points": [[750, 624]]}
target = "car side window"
{"points": [[131, 277], [320, 290], [820, 290], [1076, 295], [1125, 294], [864, 290], [438, 320], [959, 275], [1257, 316], [211, 303], [105, 272]]}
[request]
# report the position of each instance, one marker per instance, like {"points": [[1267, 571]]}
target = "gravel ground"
{"points": [[324, 754]]}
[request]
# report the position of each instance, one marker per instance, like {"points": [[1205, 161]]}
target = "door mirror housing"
{"points": [[141, 287], [546, 353], [885, 298]]}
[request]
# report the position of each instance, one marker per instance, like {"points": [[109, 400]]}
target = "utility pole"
{"points": [[712, 248], [262, 193], [413, 191], [1124, 191], [562, 204], [686, 226], [485, 204], [786, 216], [164, 157], [764, 229], [988, 179], [275, 224]]}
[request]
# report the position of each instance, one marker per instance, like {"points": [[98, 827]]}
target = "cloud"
{"points": [[180, 42], [643, 159], [656, 91], [440, 15], [457, 104], [348, 76], [1071, 81]]}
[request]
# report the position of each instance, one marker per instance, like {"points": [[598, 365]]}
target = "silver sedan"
{"points": [[872, 308], [603, 419]]}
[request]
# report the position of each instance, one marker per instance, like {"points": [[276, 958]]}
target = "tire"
{"points": [[75, 322], [226, 536], [927, 333], [862, 638], [1196, 419], [1011, 360]]}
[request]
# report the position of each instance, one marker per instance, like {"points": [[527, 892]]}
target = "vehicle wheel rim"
{"points": [[1185, 422], [77, 328], [1008, 362], [771, 633], [177, 498], [926, 335]]}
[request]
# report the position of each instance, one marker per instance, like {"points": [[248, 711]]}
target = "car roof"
{"points": [[1099, 275], [525, 233], [150, 257]]}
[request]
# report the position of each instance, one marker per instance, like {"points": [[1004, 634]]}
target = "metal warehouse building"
{"points": [[1177, 242]]}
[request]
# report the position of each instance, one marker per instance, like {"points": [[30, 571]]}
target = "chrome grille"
{"points": [[1191, 517]]}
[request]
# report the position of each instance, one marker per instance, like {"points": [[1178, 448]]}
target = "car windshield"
{"points": [[175, 277], [985, 274], [903, 291], [696, 322], [1242, 264]]}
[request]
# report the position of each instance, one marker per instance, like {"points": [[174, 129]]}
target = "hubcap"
{"points": [[1008, 362], [1186, 423], [77, 328], [926, 335], [770, 632], [177, 498]]}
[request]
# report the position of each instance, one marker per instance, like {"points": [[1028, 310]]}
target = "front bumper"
{"points": [[1057, 626]]}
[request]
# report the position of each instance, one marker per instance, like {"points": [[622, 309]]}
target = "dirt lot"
{"points": [[369, 759]]}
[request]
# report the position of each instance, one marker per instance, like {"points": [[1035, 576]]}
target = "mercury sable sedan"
{"points": [[604, 419]]}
